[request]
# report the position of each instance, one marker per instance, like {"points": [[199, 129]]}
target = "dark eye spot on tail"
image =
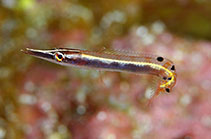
{"points": [[173, 67], [168, 90], [164, 78], [160, 59]]}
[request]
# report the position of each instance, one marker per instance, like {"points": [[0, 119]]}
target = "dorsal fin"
{"points": [[124, 52]]}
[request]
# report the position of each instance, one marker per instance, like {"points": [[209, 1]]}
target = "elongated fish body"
{"points": [[132, 63]]}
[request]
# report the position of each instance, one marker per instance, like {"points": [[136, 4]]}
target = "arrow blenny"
{"points": [[138, 63]]}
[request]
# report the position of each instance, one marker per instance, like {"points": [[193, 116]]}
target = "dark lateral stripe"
{"points": [[113, 66], [40, 54]]}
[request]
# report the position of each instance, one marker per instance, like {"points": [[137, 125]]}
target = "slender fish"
{"points": [[137, 63]]}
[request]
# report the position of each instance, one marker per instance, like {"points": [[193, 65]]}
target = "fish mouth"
{"points": [[43, 54]]}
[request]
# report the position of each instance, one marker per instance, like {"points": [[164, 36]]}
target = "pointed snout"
{"points": [[44, 54]]}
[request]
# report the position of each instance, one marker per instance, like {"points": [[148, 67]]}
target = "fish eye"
{"points": [[59, 56]]}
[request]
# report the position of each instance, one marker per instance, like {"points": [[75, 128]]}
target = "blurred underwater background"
{"points": [[42, 100]]}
